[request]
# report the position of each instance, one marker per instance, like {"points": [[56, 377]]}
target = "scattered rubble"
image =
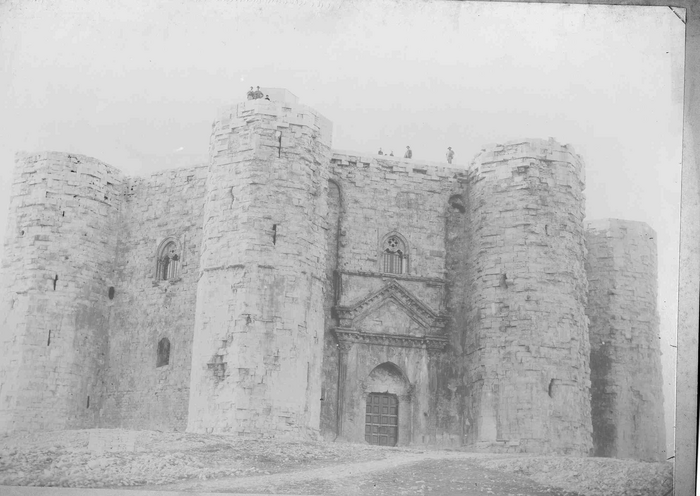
{"points": [[102, 458]]}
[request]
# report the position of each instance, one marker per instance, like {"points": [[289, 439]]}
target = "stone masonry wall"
{"points": [[60, 249], [282, 321], [457, 269], [525, 342], [383, 195], [626, 390], [259, 323], [329, 370], [139, 395]]}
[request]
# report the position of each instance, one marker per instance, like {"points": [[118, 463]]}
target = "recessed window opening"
{"points": [[168, 261], [394, 257], [163, 352]]}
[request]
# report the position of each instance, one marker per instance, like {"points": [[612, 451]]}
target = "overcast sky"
{"points": [[138, 87]]}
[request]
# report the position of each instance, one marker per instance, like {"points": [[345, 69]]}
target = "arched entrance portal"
{"points": [[386, 387]]}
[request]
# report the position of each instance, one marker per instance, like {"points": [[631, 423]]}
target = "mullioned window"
{"points": [[394, 255], [168, 260]]}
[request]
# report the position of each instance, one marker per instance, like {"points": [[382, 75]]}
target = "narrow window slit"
{"points": [[48, 343], [88, 402], [55, 280], [163, 352], [274, 234]]}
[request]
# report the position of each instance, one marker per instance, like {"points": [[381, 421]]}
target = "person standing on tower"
{"points": [[258, 94], [409, 153], [380, 152], [450, 154], [251, 94]]}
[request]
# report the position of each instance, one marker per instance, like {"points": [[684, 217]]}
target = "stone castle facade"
{"points": [[288, 290]]}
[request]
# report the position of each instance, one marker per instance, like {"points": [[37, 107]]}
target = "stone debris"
{"points": [[65, 458], [591, 476]]}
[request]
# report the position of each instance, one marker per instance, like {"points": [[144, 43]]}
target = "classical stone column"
{"points": [[344, 348]]}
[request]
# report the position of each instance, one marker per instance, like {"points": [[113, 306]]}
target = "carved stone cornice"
{"points": [[349, 336], [414, 308], [432, 281]]}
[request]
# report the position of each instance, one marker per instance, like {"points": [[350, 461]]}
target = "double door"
{"points": [[382, 419]]}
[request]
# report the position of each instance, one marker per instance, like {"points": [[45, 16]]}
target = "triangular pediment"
{"points": [[392, 306]]}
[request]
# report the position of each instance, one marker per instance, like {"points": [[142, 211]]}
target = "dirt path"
{"points": [[274, 482], [217, 463]]}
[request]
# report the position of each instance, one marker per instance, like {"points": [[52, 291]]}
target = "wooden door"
{"points": [[382, 419]]}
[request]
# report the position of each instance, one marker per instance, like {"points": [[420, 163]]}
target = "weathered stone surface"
{"points": [[54, 309], [137, 393], [259, 319], [306, 280], [524, 327], [627, 398]]}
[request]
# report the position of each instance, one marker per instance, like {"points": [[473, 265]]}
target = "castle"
{"points": [[289, 290]]}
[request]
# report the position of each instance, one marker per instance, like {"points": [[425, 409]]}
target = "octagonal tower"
{"points": [[527, 363], [259, 322]]}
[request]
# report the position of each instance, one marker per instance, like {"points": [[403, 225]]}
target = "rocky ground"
{"points": [[189, 462]]}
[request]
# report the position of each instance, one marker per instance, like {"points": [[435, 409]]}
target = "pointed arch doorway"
{"points": [[386, 388]]}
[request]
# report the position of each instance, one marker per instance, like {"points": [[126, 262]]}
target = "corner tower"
{"points": [[259, 321], [60, 249], [526, 365], [626, 391]]}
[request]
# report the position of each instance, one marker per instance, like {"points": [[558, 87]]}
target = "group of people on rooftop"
{"points": [[409, 153], [257, 94]]}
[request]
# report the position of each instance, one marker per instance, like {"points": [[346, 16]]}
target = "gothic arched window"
{"points": [[168, 266], [394, 256], [163, 352]]}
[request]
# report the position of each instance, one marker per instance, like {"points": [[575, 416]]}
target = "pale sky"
{"points": [[133, 85]]}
